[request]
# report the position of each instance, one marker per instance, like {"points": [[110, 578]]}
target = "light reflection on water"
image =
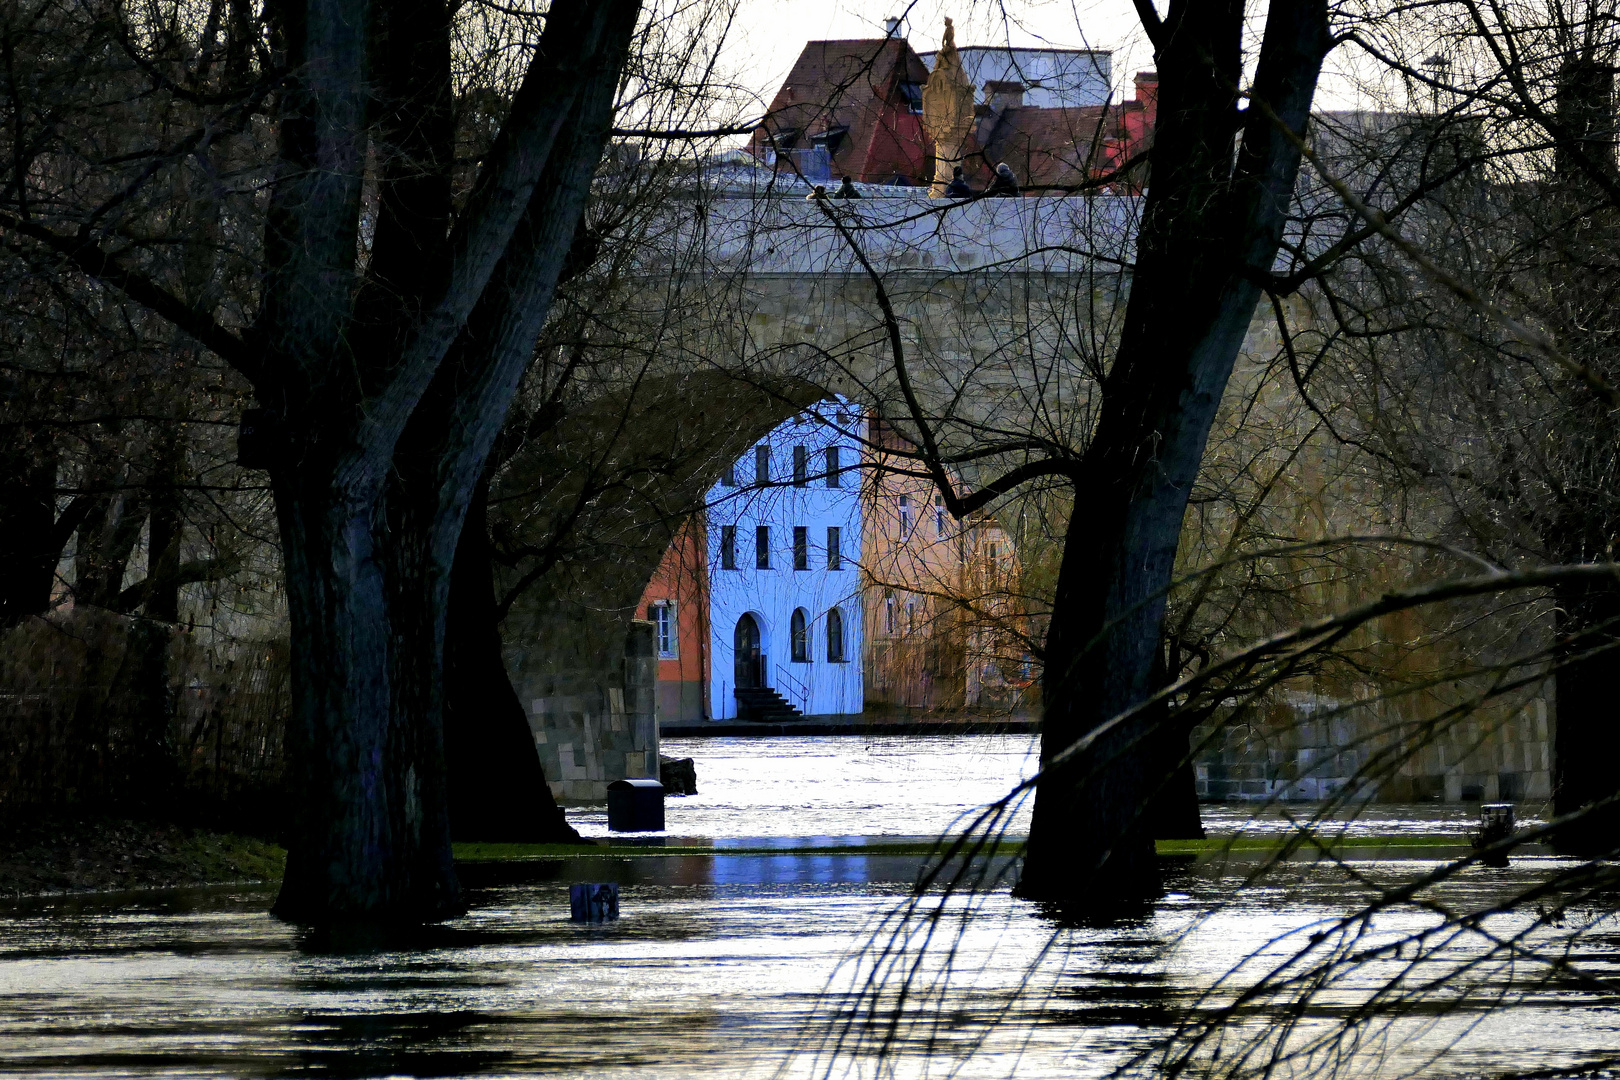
{"points": [[743, 966], [898, 786], [839, 785]]}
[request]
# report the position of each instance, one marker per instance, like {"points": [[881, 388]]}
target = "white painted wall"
{"points": [[817, 687]]}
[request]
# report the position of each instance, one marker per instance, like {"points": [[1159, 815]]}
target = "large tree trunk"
{"points": [[498, 789], [369, 553], [1210, 232], [1172, 812], [370, 833], [384, 381], [1587, 724]]}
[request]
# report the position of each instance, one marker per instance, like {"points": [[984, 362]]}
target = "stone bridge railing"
{"points": [[803, 238]]}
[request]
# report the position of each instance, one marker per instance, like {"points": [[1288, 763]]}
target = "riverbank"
{"points": [[82, 854], [874, 721]]}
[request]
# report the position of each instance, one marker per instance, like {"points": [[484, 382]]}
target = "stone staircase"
{"points": [[764, 706]]}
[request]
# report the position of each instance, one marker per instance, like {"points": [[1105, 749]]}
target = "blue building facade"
{"points": [[784, 537]]}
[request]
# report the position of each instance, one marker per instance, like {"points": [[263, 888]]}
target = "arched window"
{"points": [[835, 636], [801, 638]]}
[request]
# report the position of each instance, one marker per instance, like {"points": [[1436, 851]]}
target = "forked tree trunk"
{"points": [[1209, 235], [369, 551], [384, 382]]}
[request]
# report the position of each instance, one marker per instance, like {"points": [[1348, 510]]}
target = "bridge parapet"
{"points": [[794, 236]]}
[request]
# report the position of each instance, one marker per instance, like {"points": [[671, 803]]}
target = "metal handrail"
{"points": [[802, 691]]}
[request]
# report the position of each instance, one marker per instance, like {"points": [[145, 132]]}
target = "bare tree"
{"points": [[386, 336]]}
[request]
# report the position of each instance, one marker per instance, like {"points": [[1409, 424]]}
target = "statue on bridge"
{"points": [[947, 101]]}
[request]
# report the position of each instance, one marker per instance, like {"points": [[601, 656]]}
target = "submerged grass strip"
{"points": [[474, 852]]}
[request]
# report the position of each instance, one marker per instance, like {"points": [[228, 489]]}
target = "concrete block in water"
{"points": [[593, 903], [635, 805]]}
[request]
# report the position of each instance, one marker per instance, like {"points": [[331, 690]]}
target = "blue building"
{"points": [[784, 536]]}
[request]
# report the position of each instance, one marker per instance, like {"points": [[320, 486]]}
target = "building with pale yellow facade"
{"points": [[946, 628]]}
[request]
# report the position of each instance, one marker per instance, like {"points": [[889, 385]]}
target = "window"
{"points": [[888, 611], [762, 547], [939, 516], [832, 467], [729, 477], [762, 464], [801, 548], [801, 466], [905, 517], [912, 93], [835, 554], [662, 616], [785, 138], [800, 634], [728, 547], [835, 636], [832, 139]]}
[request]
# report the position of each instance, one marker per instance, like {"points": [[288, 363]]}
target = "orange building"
{"points": [[676, 602]]}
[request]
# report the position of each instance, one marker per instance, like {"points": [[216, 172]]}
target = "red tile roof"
{"points": [[1047, 148], [852, 90], [854, 85]]}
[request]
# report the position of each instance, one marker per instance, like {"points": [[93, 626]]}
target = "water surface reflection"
{"points": [[753, 965], [739, 969]]}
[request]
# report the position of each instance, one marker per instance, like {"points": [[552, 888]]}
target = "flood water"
{"points": [[765, 965]]}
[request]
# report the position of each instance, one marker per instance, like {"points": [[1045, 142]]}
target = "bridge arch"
{"points": [[581, 517]]}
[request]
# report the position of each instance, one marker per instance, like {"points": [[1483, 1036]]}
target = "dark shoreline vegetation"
{"points": [[63, 853]]}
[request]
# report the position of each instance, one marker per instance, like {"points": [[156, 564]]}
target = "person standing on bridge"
{"points": [[846, 190], [958, 188], [1005, 184]]}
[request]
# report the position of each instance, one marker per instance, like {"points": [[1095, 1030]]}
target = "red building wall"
{"points": [[682, 580]]}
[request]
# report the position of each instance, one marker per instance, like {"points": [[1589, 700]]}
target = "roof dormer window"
{"points": [[830, 140]]}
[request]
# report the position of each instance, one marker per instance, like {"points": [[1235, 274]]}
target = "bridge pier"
{"points": [[593, 711]]}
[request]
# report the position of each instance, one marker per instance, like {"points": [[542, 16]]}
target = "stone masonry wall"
{"points": [[593, 726], [1314, 750]]}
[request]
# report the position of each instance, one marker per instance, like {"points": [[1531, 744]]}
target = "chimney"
{"points": [[891, 26], [1147, 94], [1004, 95]]}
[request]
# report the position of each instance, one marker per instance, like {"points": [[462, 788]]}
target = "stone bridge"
{"points": [[741, 313], [737, 313]]}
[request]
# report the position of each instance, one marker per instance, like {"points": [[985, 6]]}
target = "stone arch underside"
{"points": [[579, 522]]}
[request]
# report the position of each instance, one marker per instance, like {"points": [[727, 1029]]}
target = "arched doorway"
{"points": [[745, 647]]}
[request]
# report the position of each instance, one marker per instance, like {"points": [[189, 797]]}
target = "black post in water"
{"points": [[636, 805]]}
